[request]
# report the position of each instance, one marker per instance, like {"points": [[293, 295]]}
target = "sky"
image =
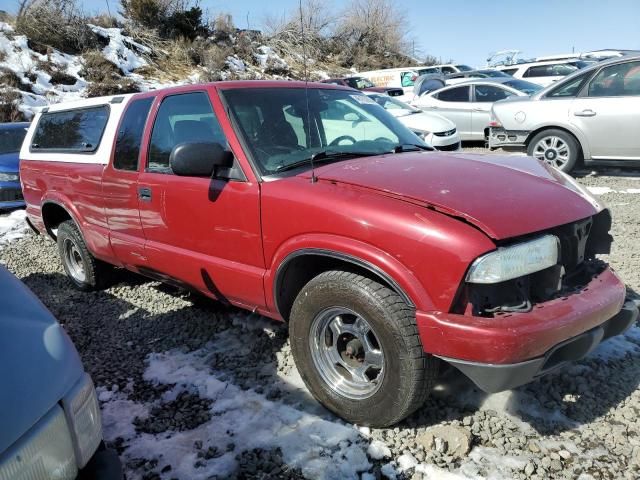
{"points": [[468, 30]]}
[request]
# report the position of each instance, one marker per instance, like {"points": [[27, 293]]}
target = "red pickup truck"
{"points": [[312, 205]]}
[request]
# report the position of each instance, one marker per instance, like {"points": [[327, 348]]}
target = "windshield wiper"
{"points": [[324, 156], [411, 147]]}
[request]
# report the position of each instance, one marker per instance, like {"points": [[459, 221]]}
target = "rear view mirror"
{"points": [[199, 159]]}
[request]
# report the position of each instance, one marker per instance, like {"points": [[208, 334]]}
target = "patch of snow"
{"points": [[389, 471], [600, 190], [235, 64], [13, 226], [321, 448], [378, 450], [123, 51], [406, 461], [619, 346]]}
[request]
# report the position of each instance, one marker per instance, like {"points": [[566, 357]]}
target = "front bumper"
{"points": [[496, 378], [449, 143], [499, 137], [525, 338]]}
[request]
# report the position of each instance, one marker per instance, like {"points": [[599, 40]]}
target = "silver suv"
{"points": [[593, 114]]}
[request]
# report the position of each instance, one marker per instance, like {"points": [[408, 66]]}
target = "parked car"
{"points": [[593, 114], [434, 129], [361, 83], [11, 136], [445, 69], [471, 74], [544, 73], [468, 104], [404, 78], [51, 427], [308, 203]]}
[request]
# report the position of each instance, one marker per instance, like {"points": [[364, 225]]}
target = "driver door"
{"points": [[200, 232]]}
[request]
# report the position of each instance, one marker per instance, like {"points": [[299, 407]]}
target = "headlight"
{"points": [[9, 177], [515, 261], [45, 451], [83, 415]]}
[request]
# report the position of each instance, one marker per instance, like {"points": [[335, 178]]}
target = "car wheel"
{"points": [[555, 147], [84, 270], [357, 348]]}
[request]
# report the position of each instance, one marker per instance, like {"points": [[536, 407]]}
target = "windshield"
{"points": [[359, 83], [395, 107], [280, 130], [11, 140], [493, 73], [524, 86], [464, 68]]}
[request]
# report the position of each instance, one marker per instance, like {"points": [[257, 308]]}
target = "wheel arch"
{"points": [[300, 266], [582, 143], [53, 214]]}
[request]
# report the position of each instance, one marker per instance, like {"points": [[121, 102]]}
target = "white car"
{"points": [[468, 104], [434, 129], [544, 73], [594, 114]]}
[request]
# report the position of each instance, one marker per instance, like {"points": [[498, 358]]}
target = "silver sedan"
{"points": [[593, 114], [468, 104]]}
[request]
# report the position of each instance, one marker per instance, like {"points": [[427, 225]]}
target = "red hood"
{"points": [[504, 196]]}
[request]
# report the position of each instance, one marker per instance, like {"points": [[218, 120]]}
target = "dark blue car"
{"points": [[11, 136]]}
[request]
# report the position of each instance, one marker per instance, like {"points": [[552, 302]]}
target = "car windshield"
{"points": [[11, 140], [464, 68], [359, 83], [524, 86], [287, 126], [395, 107], [493, 73]]}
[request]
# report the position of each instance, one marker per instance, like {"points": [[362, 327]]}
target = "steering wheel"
{"points": [[383, 139], [341, 138]]}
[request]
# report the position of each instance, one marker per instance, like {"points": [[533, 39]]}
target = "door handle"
{"points": [[585, 113], [144, 194]]}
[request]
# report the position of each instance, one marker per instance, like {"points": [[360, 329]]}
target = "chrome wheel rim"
{"points": [[346, 352], [552, 150], [74, 262]]}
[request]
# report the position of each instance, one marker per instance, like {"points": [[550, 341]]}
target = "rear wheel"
{"points": [[84, 270], [556, 148], [356, 346]]}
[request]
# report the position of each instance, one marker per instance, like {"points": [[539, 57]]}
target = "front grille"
{"points": [[10, 195], [445, 134], [449, 148]]}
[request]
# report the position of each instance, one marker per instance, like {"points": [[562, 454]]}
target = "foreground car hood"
{"points": [[504, 196], [38, 362]]}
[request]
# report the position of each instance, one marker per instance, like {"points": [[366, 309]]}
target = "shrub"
{"points": [[96, 68], [58, 77], [112, 87], [148, 13], [59, 24], [184, 24], [9, 101], [8, 78]]}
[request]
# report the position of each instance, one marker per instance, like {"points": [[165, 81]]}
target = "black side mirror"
{"points": [[199, 159]]}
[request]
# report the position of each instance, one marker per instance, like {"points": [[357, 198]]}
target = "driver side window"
{"points": [[183, 118]]}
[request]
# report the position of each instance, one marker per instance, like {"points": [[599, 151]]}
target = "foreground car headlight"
{"points": [[515, 261], [83, 415], [45, 451], [9, 177]]}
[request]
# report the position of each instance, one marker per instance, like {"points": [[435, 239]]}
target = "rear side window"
{"points": [[460, 94], [78, 131], [509, 71], [127, 149], [11, 139], [490, 94]]}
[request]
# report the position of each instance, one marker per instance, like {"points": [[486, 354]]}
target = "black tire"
{"points": [[535, 149], [411, 371], [96, 274]]}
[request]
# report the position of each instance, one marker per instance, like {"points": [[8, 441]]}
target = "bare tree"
{"points": [[23, 7]]}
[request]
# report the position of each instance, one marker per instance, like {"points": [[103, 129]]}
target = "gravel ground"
{"points": [[171, 369]]}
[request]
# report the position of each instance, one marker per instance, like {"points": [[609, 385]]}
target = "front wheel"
{"points": [[356, 346], [555, 147]]}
